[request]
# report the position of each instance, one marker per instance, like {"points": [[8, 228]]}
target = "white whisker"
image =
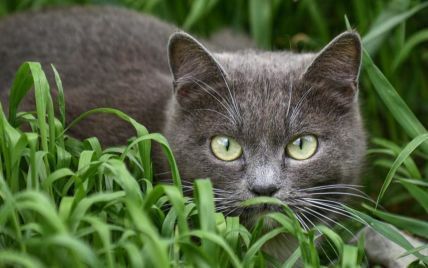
{"points": [[338, 210], [290, 94], [299, 104]]}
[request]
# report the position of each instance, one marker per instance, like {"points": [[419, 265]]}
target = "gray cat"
{"points": [[257, 123]]}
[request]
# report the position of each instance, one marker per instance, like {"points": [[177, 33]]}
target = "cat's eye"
{"points": [[302, 147], [225, 148]]}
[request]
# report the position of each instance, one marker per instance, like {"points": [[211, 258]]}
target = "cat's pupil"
{"points": [[227, 144], [300, 141]]}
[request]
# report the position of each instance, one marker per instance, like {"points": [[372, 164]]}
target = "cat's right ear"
{"points": [[337, 67], [193, 67]]}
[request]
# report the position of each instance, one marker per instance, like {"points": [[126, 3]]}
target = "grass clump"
{"points": [[65, 202]]}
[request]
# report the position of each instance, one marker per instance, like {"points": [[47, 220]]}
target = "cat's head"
{"points": [[267, 123]]}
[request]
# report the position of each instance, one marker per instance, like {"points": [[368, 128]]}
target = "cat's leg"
{"points": [[382, 251]]}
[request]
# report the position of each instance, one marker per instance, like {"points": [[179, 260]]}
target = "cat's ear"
{"points": [[193, 68], [338, 63]]}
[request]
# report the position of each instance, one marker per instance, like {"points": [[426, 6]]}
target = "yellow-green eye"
{"points": [[225, 148], [302, 147]]}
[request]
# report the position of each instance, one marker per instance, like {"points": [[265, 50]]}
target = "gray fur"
{"points": [[262, 99], [100, 52]]}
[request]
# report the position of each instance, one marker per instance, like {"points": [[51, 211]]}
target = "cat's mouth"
{"points": [[251, 216], [261, 210]]}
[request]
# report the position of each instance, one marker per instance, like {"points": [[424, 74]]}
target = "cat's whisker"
{"points": [[217, 112], [321, 217], [343, 188], [301, 221], [331, 186], [162, 173], [320, 233], [223, 196], [328, 241], [222, 190], [297, 108], [233, 210], [325, 201], [334, 185], [187, 182], [231, 117], [222, 203], [342, 194], [290, 95], [226, 210], [337, 210], [237, 111], [206, 88], [164, 181], [334, 209]]}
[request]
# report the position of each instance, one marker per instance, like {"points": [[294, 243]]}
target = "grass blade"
{"points": [[399, 160]]}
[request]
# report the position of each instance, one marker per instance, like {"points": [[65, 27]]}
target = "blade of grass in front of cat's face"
{"points": [[349, 257], [232, 236], [334, 238], [218, 241], [256, 247], [291, 225]]}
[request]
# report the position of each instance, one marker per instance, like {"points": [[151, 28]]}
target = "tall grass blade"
{"points": [[399, 160]]}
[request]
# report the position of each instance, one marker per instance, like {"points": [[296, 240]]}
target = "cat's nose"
{"points": [[266, 189]]}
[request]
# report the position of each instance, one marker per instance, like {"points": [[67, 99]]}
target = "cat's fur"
{"points": [[109, 57]]}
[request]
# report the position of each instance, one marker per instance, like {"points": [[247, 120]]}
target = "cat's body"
{"points": [[110, 57], [127, 70]]}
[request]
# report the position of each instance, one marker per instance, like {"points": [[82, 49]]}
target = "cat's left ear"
{"points": [[194, 69], [338, 63]]}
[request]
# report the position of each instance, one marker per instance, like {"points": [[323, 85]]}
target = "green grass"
{"points": [[66, 202]]}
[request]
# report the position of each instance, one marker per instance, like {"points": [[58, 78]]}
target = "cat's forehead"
{"points": [[251, 65], [261, 84]]}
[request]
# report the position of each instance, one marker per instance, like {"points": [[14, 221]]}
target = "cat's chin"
{"points": [[280, 246], [250, 217]]}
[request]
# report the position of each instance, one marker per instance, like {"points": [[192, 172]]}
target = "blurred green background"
{"points": [[303, 25]]}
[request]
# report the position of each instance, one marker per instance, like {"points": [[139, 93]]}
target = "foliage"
{"points": [[65, 202]]}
